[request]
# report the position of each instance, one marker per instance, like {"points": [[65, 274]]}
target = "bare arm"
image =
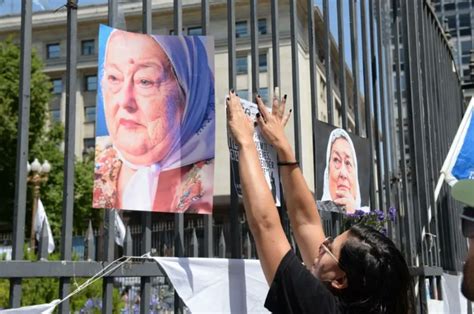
{"points": [[262, 215], [301, 206]]}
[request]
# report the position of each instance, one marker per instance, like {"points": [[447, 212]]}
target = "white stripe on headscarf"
{"points": [[335, 134], [189, 60]]}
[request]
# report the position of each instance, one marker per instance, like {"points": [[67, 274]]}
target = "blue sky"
{"points": [[8, 7]]}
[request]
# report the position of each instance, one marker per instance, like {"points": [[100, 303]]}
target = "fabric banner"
{"points": [[155, 125], [41, 217], [33, 309], [217, 285]]}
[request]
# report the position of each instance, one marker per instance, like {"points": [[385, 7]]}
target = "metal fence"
{"points": [[405, 98]]}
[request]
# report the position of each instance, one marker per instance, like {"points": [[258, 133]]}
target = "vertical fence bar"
{"points": [[276, 43], [22, 147], [327, 61], [208, 238], [295, 80], [342, 62], [69, 158], [404, 225], [313, 75], [375, 100], [178, 218], [367, 98], [254, 48], [355, 63], [146, 217], [411, 59], [109, 219], [235, 227], [385, 183]]}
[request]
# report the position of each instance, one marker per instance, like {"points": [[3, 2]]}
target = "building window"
{"points": [[53, 51], [196, 31], [243, 94], [262, 62], [91, 83], [263, 91], [262, 26], [89, 143], [241, 29], [55, 115], [89, 114], [241, 65], [88, 47], [57, 86]]}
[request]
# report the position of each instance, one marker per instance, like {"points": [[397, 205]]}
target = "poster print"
{"points": [[343, 169], [155, 126], [266, 153]]}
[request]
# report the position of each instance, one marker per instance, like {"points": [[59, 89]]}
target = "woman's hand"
{"points": [[345, 199], [273, 124], [240, 125]]}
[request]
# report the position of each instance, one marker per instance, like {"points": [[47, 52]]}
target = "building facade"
{"points": [[49, 40]]}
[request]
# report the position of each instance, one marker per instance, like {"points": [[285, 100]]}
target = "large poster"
{"points": [[155, 129], [343, 170]]}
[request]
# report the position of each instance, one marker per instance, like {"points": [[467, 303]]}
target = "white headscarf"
{"points": [[335, 134], [196, 138]]}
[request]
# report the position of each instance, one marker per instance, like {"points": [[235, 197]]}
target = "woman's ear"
{"points": [[340, 283]]}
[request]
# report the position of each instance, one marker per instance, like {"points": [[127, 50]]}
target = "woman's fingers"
{"points": [[287, 117], [261, 107]]}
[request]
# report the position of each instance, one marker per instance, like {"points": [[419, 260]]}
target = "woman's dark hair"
{"points": [[377, 274]]}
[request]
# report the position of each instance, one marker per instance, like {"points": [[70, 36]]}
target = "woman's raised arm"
{"points": [[262, 215], [300, 204]]}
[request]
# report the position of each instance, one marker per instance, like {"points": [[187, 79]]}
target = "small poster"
{"points": [[266, 152], [343, 169], [155, 125]]}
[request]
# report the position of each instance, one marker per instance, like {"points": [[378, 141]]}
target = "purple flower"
{"points": [[380, 215], [359, 213], [384, 231], [392, 213]]}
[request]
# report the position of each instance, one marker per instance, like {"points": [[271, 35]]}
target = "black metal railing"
{"points": [[406, 100]]}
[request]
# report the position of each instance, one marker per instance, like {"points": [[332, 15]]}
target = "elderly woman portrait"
{"points": [[341, 183], [155, 150]]}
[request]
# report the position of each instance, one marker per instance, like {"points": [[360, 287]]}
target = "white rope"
{"points": [[104, 272]]}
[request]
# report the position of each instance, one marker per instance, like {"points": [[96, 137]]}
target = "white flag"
{"points": [[119, 230], [39, 218], [458, 167]]}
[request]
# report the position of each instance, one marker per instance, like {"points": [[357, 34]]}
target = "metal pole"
{"points": [[342, 63], [355, 64], [109, 219], [146, 217], [327, 61], [254, 48], [69, 158], [295, 81], [235, 227], [22, 147], [367, 98]]}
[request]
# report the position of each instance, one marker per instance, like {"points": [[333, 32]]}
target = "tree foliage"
{"points": [[9, 104], [45, 143]]}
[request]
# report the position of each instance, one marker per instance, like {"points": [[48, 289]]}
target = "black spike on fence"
{"points": [[222, 245], [90, 243], [194, 245], [43, 242], [128, 243], [247, 247]]}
